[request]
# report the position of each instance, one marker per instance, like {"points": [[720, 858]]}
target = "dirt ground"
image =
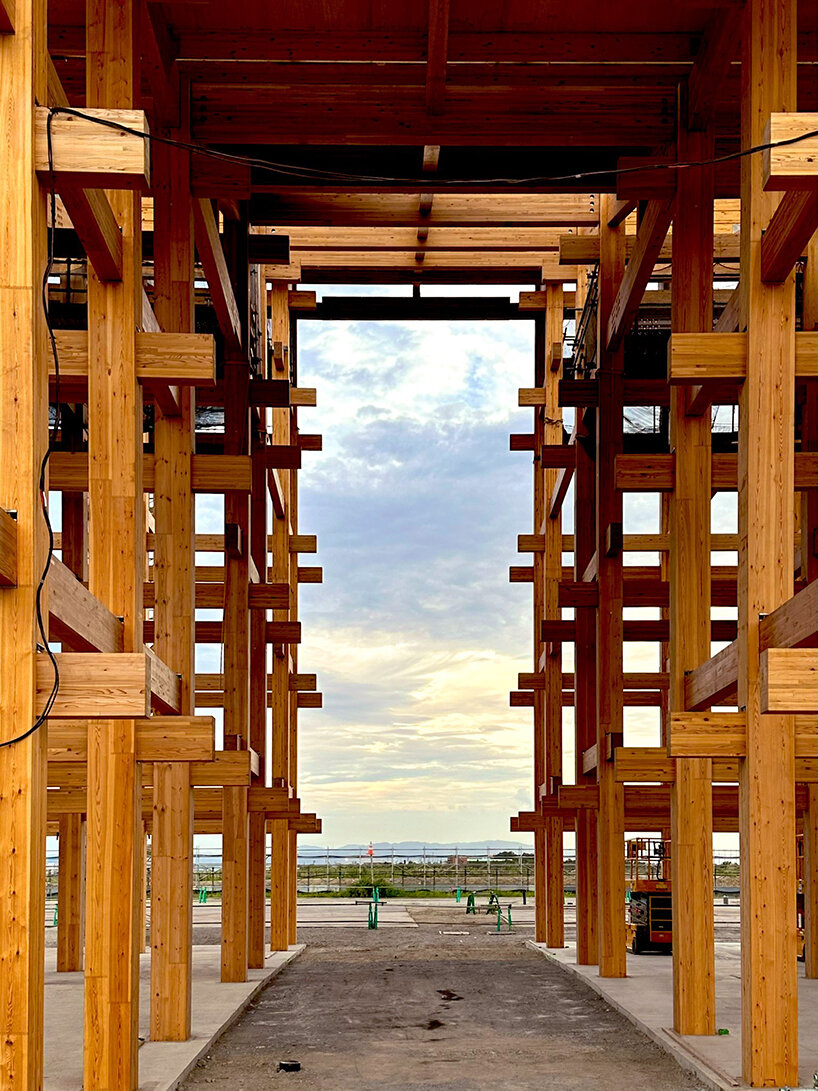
{"points": [[409, 1009]]}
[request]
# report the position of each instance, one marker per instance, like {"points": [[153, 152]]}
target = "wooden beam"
{"points": [[182, 359], [211, 255], [96, 685], [722, 357], [792, 225], [651, 235], [789, 680], [724, 735], [90, 151], [7, 17], [71, 894], [792, 166], [158, 739], [712, 65]]}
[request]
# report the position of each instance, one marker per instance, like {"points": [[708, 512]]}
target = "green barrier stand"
{"points": [[458, 895], [470, 906], [373, 915], [55, 916]]}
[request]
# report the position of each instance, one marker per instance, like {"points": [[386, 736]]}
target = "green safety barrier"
{"points": [[501, 918], [55, 916], [470, 906], [373, 915], [203, 896]]}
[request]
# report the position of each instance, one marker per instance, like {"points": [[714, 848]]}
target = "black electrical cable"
{"points": [[52, 697], [340, 176]]}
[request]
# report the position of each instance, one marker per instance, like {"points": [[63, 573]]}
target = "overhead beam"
{"points": [[794, 622], [158, 738], [78, 619], [180, 359], [103, 685]]}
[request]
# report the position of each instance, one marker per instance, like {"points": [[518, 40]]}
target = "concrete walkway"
{"points": [[162, 1065], [646, 998]]}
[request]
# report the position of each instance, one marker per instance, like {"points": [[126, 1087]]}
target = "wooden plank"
{"points": [[23, 439], [228, 767], [792, 166], [792, 225], [651, 235], [211, 255], [96, 685], [79, 620], [8, 550], [707, 734], [789, 680], [89, 154]]}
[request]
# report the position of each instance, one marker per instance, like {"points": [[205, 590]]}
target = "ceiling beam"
{"points": [[436, 54]]}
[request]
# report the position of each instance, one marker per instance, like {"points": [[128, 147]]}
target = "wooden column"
{"points": [[552, 561], [174, 574], [71, 893], [279, 828], [540, 501], [611, 831], [23, 440], [694, 994], [765, 526], [259, 508], [115, 575], [585, 702]]}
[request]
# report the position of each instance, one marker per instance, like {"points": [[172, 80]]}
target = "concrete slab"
{"points": [[162, 1065], [645, 997]]}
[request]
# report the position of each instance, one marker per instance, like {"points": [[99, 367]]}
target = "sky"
{"points": [[416, 634]]}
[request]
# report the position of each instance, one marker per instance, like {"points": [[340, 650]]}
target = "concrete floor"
{"points": [[646, 998], [359, 1009], [449, 1004], [162, 1065]]}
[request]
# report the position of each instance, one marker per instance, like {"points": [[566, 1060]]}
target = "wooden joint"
{"points": [[91, 150]]}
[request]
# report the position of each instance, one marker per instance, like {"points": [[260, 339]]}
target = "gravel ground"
{"points": [[409, 1009]]}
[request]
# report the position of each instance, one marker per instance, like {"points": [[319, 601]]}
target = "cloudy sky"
{"points": [[416, 634]]}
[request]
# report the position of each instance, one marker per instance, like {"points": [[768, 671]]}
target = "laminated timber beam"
{"points": [[722, 357], [724, 734], [180, 359], [657, 473], [649, 764], [793, 166], [791, 226], [789, 680], [91, 151], [211, 255]]}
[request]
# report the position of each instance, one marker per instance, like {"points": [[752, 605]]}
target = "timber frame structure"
{"points": [[178, 170]]}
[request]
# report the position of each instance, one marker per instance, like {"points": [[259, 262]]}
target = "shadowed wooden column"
{"points": [[115, 577], [694, 994], [551, 529], [611, 828], [769, 987], [279, 827], [540, 834], [585, 702]]}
